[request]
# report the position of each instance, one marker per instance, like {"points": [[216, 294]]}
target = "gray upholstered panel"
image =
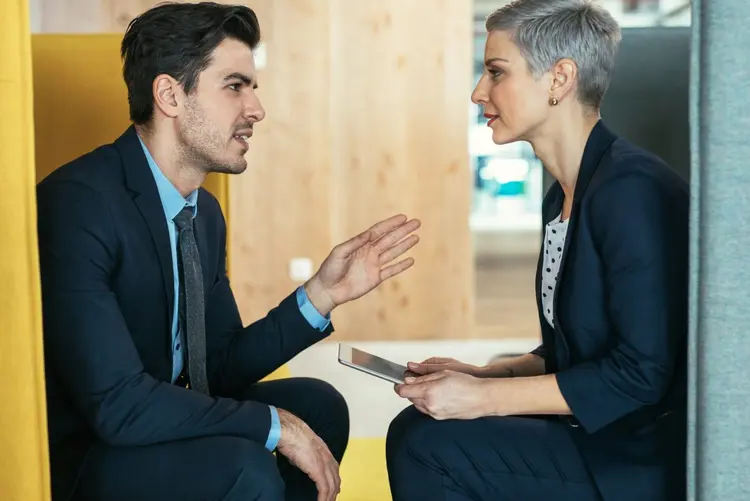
{"points": [[720, 275]]}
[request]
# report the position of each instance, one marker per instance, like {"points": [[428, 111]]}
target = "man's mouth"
{"points": [[243, 137], [491, 118]]}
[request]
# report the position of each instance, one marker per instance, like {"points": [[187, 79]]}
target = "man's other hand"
{"points": [[360, 264], [307, 451]]}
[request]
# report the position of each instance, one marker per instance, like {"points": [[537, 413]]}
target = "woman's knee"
{"points": [[409, 432]]}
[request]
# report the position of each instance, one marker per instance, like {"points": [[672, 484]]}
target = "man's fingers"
{"points": [[347, 248], [388, 240], [395, 269], [335, 479], [383, 227], [330, 469], [330, 483], [321, 484], [398, 249]]}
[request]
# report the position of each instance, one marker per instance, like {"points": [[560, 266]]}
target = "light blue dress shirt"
{"points": [[173, 202]]}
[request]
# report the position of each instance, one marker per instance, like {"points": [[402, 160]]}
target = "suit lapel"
{"points": [[139, 179]]}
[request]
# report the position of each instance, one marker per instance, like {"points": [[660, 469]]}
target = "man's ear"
{"points": [[167, 95]]}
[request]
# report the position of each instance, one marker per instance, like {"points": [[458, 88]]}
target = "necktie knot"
{"points": [[184, 220]]}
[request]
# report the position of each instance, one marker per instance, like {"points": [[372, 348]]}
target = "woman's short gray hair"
{"points": [[549, 30]]}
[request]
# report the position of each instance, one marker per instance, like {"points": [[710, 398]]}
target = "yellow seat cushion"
{"points": [[364, 476], [280, 373]]}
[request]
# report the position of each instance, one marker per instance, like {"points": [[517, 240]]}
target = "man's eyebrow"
{"points": [[241, 77]]}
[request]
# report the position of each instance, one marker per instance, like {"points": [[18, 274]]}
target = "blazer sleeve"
{"points": [[242, 355], [642, 235], [89, 349], [538, 351]]}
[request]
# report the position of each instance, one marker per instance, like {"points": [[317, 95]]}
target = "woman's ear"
{"points": [[564, 75]]}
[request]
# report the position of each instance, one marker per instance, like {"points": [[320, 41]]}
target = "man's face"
{"points": [[221, 111]]}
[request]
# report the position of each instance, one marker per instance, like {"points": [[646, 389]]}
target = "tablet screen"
{"points": [[371, 364]]}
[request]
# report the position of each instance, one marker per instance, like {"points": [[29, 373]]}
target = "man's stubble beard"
{"points": [[201, 146]]}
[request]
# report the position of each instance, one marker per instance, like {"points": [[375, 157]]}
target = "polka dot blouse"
{"points": [[554, 242]]}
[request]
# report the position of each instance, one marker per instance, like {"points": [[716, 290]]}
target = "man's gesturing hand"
{"points": [[360, 264], [307, 451]]}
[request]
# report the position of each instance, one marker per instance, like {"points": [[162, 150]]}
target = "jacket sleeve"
{"points": [[642, 235], [538, 351], [242, 355], [88, 346]]}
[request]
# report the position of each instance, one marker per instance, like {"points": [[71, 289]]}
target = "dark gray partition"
{"points": [[647, 102]]}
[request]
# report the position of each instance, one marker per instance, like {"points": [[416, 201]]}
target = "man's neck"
{"points": [[169, 158]]}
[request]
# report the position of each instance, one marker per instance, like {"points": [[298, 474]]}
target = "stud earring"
{"points": [[553, 101]]}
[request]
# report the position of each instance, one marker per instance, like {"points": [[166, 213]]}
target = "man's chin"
{"points": [[235, 168]]}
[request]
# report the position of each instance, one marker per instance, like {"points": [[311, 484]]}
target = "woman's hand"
{"points": [[438, 364], [447, 395]]}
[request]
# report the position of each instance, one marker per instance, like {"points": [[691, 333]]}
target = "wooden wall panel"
{"points": [[280, 207], [401, 77], [367, 116]]}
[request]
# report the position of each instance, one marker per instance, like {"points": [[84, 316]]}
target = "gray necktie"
{"points": [[192, 305]]}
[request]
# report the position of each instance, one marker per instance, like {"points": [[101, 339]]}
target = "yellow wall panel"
{"points": [[24, 460], [80, 99]]}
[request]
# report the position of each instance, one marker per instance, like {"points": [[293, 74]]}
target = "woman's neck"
{"points": [[560, 148]]}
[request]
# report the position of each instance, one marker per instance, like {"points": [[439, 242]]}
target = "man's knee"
{"points": [[326, 413], [328, 403], [249, 471], [328, 396]]}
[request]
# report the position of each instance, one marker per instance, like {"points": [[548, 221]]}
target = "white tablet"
{"points": [[371, 364]]}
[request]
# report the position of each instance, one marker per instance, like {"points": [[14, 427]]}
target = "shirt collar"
{"points": [[172, 200]]}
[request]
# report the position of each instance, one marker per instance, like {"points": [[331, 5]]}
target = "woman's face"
{"points": [[515, 104]]}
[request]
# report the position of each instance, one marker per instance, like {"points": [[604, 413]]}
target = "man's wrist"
{"points": [[318, 296]]}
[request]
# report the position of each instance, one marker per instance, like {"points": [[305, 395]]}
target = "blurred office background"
{"points": [[368, 114]]}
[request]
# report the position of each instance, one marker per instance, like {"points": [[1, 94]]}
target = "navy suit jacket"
{"points": [[619, 344], [108, 295]]}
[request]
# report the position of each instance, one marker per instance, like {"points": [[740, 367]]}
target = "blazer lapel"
{"points": [[599, 141], [139, 179]]}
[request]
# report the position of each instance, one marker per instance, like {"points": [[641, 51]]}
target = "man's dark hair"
{"points": [[178, 39]]}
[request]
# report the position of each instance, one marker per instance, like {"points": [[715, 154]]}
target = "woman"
{"points": [[598, 411]]}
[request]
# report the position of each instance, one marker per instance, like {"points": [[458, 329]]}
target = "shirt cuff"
{"points": [[313, 316], [275, 433]]}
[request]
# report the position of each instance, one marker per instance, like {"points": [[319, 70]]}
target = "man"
{"points": [[152, 379]]}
